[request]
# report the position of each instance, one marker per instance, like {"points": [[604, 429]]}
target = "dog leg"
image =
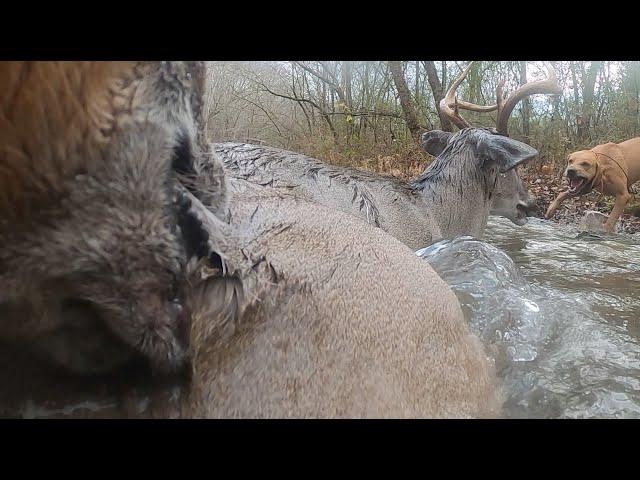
{"points": [[556, 203], [621, 202]]}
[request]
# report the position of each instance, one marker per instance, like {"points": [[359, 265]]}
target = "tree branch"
{"points": [[332, 83], [322, 112]]}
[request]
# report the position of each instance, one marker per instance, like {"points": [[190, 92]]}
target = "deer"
{"points": [[286, 308], [473, 175]]}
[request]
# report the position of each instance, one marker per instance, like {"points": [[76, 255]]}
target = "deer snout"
{"points": [[529, 206]]}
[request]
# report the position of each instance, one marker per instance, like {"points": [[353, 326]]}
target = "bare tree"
{"points": [[587, 95], [526, 105], [584, 109], [438, 93], [406, 102], [378, 108]]}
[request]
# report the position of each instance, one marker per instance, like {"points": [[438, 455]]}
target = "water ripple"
{"points": [[559, 310]]}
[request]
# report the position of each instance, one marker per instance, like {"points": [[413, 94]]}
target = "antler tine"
{"points": [[449, 105], [505, 106], [449, 97], [476, 108]]}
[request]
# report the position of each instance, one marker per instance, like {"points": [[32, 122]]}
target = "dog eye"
{"points": [[584, 164]]}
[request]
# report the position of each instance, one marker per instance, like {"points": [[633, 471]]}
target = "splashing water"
{"points": [[559, 310]]}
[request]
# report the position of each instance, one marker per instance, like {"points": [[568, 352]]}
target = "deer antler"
{"points": [[449, 104], [507, 104]]}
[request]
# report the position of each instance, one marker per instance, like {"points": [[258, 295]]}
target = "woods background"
{"points": [[368, 114]]}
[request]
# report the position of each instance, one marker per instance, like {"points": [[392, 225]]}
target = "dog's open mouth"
{"points": [[577, 185]]}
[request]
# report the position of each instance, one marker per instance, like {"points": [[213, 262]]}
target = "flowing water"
{"points": [[558, 309]]}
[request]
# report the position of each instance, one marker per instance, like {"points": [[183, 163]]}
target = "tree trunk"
{"points": [[576, 99], [348, 108], [417, 89], [634, 94], [526, 105], [346, 83], [587, 95], [473, 83], [438, 93], [444, 74], [408, 107]]}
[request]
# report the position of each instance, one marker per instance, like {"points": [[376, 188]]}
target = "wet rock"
{"points": [[593, 221]]}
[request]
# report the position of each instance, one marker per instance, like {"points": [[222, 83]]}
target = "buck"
{"points": [[289, 309], [473, 175]]}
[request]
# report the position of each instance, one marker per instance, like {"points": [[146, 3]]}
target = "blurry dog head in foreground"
{"points": [[90, 206]]}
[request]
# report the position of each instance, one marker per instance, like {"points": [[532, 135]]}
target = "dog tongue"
{"points": [[573, 183]]}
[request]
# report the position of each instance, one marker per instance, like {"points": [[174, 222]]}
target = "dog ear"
{"points": [[505, 152], [435, 141]]}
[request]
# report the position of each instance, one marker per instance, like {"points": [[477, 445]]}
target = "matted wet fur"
{"points": [[319, 323], [453, 197], [305, 322]]}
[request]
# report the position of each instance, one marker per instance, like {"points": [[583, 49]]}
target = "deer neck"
{"points": [[459, 198]]}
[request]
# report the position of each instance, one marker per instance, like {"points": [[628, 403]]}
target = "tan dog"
{"points": [[610, 169]]}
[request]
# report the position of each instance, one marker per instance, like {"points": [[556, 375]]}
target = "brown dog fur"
{"points": [[88, 221], [610, 169], [47, 111]]}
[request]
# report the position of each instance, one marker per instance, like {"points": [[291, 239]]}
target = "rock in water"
{"points": [[593, 221]]}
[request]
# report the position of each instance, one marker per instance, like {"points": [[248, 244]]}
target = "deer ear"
{"points": [[435, 141], [504, 152]]}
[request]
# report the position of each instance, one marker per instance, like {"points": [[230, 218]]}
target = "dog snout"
{"points": [[571, 173]]}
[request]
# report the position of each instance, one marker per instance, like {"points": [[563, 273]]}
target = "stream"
{"points": [[558, 309]]}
